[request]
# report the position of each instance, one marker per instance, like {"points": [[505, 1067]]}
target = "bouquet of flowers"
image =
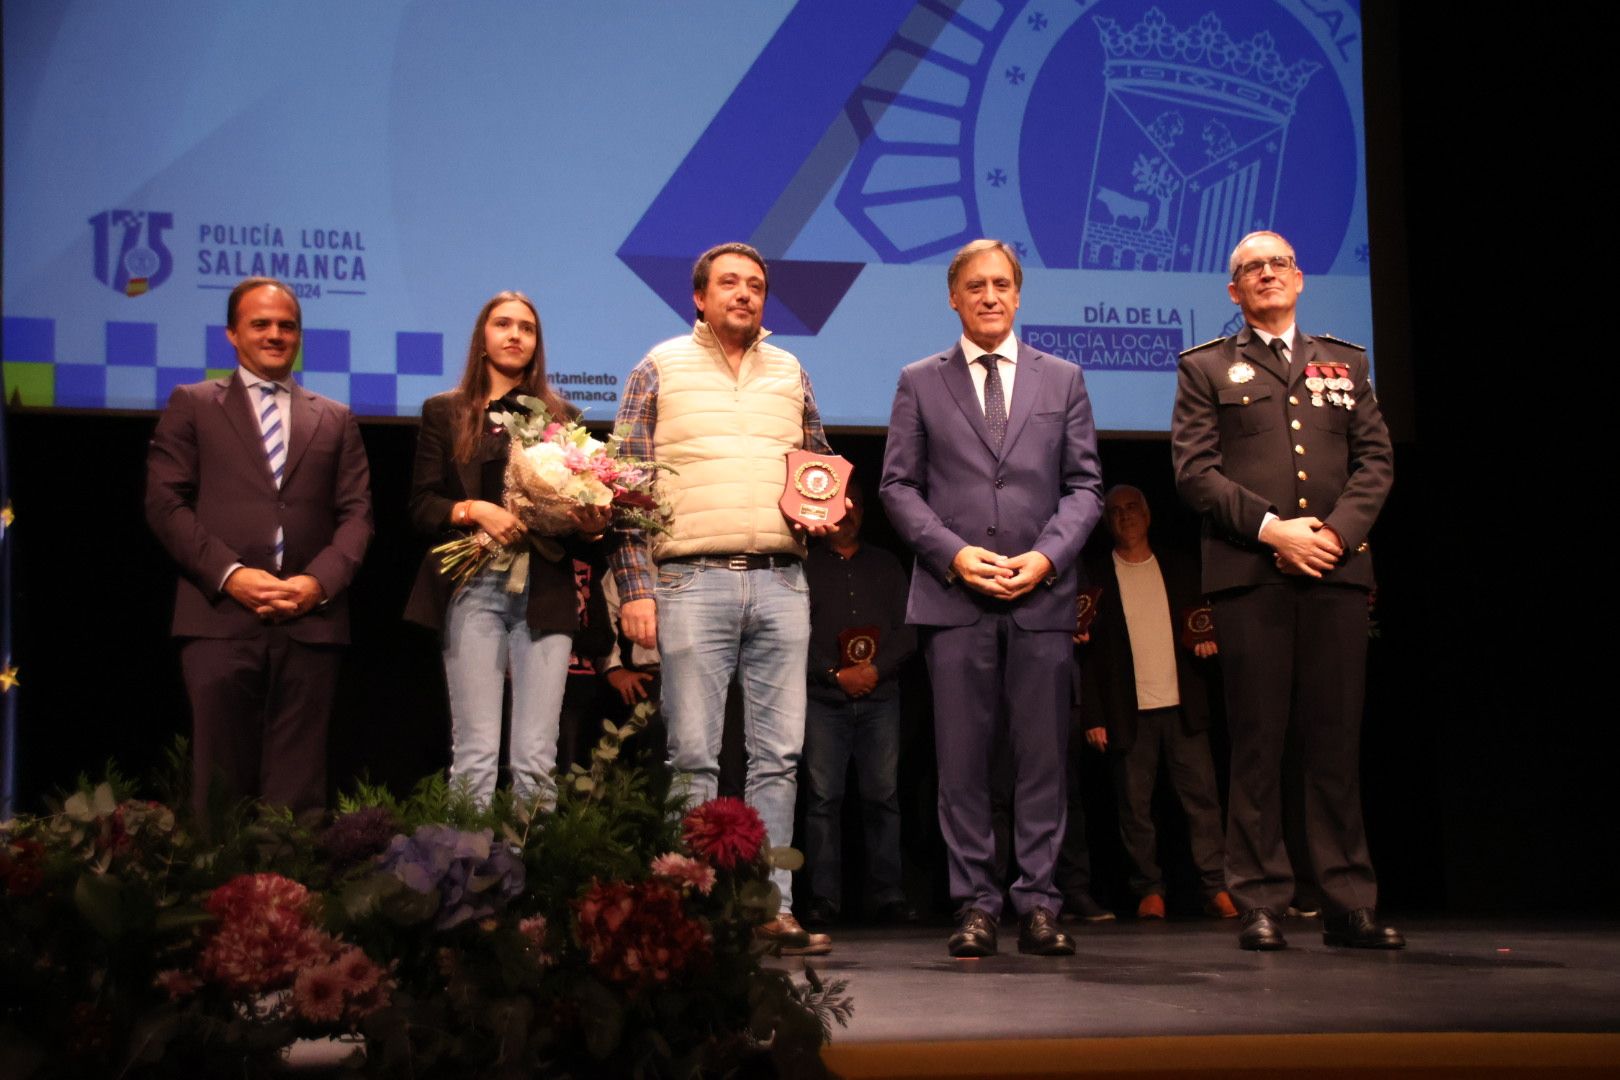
{"points": [[555, 467]]}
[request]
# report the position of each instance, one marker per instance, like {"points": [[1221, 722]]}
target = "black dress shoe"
{"points": [[821, 913], [975, 935], [1258, 932], [1081, 907], [1359, 929], [895, 913], [1040, 935]]}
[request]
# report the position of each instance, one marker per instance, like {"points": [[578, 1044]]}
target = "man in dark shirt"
{"points": [[858, 640]]}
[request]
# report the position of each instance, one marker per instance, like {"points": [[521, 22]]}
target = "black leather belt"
{"points": [[739, 562]]}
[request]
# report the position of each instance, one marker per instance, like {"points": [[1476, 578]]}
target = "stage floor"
{"points": [[1188, 978]]}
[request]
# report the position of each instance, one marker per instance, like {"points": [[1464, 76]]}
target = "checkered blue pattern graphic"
{"points": [[139, 367]]}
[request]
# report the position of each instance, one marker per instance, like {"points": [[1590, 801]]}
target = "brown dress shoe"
{"points": [[784, 930], [1040, 935], [1220, 906], [975, 935], [1151, 907]]}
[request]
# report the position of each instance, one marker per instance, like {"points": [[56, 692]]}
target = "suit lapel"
{"points": [[471, 473], [1026, 391], [954, 370], [1255, 352], [306, 417], [1304, 353], [241, 418]]}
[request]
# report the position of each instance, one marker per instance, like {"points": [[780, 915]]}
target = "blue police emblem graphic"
{"points": [[130, 254], [1109, 135]]}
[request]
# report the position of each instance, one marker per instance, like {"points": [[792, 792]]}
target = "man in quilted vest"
{"points": [[723, 595]]}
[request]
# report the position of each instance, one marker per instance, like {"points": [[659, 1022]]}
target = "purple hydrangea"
{"points": [[472, 875]]}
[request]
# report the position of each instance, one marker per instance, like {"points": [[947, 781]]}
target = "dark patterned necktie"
{"points": [[1279, 347], [995, 404]]}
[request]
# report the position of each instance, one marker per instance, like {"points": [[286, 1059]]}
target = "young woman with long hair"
{"points": [[507, 618]]}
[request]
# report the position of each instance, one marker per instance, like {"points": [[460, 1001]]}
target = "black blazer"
{"points": [[1108, 682], [438, 482]]}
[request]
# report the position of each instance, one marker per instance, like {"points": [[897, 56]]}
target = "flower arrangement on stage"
{"points": [[553, 468], [609, 936]]}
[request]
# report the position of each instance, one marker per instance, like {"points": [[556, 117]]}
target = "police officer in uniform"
{"points": [[1278, 442]]}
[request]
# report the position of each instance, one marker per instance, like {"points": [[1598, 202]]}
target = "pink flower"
{"points": [[726, 831], [356, 971], [552, 431], [318, 994], [363, 1005], [577, 460], [534, 929], [177, 983], [264, 937], [684, 871]]}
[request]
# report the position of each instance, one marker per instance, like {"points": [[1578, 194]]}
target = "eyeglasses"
{"points": [[1252, 268]]}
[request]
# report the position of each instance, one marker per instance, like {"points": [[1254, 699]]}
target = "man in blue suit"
{"points": [[991, 474]]}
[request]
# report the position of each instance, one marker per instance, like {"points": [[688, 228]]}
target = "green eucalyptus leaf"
{"points": [[181, 918], [785, 858], [99, 898]]}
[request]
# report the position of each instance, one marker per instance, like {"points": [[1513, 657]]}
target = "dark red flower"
{"points": [[639, 934], [726, 831]]}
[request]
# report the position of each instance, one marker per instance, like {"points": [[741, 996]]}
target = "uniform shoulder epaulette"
{"points": [[1341, 341], [1205, 345]]}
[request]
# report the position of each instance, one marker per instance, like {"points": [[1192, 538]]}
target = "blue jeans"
{"points": [[713, 622], [870, 731], [485, 634]]}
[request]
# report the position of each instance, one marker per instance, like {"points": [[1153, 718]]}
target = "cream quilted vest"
{"points": [[727, 439]]}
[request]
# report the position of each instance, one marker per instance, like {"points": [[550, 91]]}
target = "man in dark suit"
{"points": [[1278, 442], [991, 475], [260, 492], [1144, 700]]}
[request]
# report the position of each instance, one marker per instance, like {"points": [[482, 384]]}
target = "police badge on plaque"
{"points": [[816, 483], [1085, 608], [857, 645], [1197, 625]]}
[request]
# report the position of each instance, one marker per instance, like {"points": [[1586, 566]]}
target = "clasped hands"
{"points": [[271, 598], [1302, 545], [1005, 577], [857, 680]]}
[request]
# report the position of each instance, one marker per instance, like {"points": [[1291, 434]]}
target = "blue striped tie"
{"points": [[275, 448]]}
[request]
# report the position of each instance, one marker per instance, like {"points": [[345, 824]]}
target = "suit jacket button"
{"points": [[1303, 503], [991, 531], [1298, 449], [1292, 400], [1294, 424], [1301, 474]]}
